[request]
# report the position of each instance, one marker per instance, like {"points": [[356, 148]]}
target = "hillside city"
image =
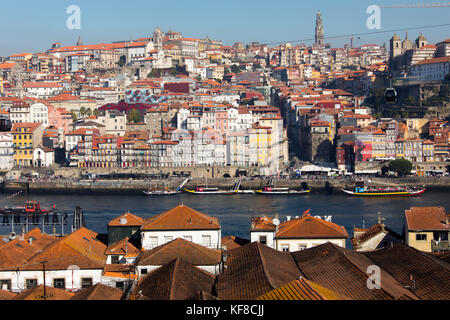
{"points": [[171, 103]]}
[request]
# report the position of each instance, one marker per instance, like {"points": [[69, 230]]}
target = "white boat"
{"points": [[161, 192]]}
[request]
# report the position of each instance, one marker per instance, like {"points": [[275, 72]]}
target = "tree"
{"points": [[82, 111], [74, 116], [401, 166], [95, 112], [88, 111], [235, 69], [122, 61], [134, 116]]}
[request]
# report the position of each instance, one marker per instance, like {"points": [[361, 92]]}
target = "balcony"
{"points": [[439, 246]]}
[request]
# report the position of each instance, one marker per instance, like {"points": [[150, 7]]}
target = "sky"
{"points": [[32, 26]]}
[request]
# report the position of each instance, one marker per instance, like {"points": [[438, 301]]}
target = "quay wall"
{"points": [[128, 187]]}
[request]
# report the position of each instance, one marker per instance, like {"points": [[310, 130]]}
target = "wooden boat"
{"points": [[286, 191], [161, 192], [361, 190], [166, 192], [271, 189], [206, 190]]}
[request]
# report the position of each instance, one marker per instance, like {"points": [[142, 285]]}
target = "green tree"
{"points": [[95, 112], [122, 61], [401, 166], [82, 111], [134, 116], [235, 69], [74, 116], [88, 111]]}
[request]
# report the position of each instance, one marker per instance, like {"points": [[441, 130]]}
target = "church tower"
{"points": [[319, 29], [421, 41], [158, 39]]}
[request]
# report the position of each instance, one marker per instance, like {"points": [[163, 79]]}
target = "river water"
{"points": [[234, 211]]}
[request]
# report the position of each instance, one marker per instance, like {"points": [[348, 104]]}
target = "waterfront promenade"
{"points": [[316, 183]]}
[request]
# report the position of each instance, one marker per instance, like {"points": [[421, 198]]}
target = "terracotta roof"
{"points": [[15, 253], [345, 272], [7, 295], [427, 218], [181, 218], [31, 126], [232, 242], [38, 239], [126, 220], [433, 60], [372, 232], [81, 248], [122, 247], [176, 280], [310, 227], [301, 289], [431, 274], [37, 293], [254, 269], [98, 292], [193, 253]]}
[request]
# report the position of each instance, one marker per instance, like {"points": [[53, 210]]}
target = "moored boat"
{"points": [[206, 190], [362, 189], [270, 189]]}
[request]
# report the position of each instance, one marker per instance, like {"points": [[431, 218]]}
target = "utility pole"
{"points": [[43, 270]]}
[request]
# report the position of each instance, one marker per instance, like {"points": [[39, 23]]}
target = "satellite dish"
{"points": [[123, 221], [276, 221]]}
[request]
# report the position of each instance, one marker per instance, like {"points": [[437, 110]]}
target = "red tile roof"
{"points": [[301, 289], [181, 218], [177, 280], [310, 227], [193, 253], [427, 218]]}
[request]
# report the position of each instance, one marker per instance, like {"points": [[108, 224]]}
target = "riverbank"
{"points": [[130, 187]]}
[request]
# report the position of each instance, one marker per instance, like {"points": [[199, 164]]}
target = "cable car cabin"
{"points": [[390, 96], [32, 207]]}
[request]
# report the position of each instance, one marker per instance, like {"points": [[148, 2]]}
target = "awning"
{"points": [[367, 171]]}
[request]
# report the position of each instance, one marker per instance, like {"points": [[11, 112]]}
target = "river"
{"points": [[234, 211]]}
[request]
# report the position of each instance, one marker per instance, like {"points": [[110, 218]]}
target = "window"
{"points": [[59, 283], [421, 237], [188, 238], [30, 283], [168, 239], [86, 283], [263, 239], [144, 271], [153, 242], [301, 247], [206, 241], [120, 285], [5, 284], [285, 247]]}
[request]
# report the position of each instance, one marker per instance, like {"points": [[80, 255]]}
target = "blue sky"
{"points": [[32, 26]]}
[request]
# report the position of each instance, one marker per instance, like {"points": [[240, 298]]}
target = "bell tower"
{"points": [[319, 29]]}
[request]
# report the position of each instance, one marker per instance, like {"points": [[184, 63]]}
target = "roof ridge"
{"points": [[312, 291], [172, 277], [323, 222]]}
